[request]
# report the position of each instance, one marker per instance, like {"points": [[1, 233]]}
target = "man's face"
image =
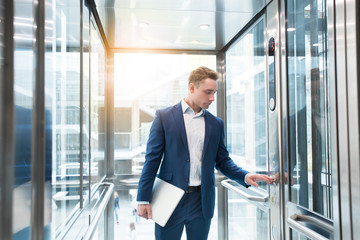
{"points": [[203, 95]]}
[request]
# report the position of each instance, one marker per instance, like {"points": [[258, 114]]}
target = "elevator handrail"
{"points": [[65, 227], [102, 206], [294, 222], [263, 198]]}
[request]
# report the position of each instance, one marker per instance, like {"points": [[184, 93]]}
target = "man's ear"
{"points": [[191, 88]]}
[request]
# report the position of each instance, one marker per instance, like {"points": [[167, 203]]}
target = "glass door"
{"points": [[299, 205], [309, 205], [252, 135]]}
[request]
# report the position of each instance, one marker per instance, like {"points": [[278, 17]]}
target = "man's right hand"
{"points": [[144, 210]]}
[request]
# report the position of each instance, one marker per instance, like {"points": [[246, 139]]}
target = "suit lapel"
{"points": [[179, 121]]}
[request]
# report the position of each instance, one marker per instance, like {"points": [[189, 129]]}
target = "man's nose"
{"points": [[212, 97]]}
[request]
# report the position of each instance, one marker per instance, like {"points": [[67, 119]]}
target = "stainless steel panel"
{"points": [[283, 115], [38, 127], [343, 124], [6, 117], [274, 121], [353, 76], [333, 119]]}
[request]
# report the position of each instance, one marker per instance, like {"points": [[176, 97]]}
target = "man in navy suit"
{"points": [[190, 142]]}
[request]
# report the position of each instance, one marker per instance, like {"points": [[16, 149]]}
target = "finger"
{"points": [[252, 182], [145, 214], [150, 213], [265, 178], [142, 213]]}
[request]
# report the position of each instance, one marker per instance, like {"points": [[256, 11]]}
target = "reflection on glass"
{"points": [[99, 233], [97, 107], [295, 235], [86, 100], [246, 102], [23, 95], [246, 220], [63, 98], [310, 164]]}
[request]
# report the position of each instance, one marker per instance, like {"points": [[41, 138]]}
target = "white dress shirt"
{"points": [[195, 133]]}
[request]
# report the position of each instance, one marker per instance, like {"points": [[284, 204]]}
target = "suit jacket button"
{"points": [[186, 179], [188, 160]]}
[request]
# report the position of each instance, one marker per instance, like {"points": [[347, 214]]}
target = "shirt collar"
{"points": [[185, 107]]}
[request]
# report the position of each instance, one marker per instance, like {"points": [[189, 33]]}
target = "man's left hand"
{"points": [[252, 178]]}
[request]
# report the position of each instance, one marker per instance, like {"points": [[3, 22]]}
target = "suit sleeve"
{"points": [[226, 165], [154, 154]]}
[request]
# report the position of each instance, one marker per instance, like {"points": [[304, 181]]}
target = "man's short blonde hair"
{"points": [[200, 74]]}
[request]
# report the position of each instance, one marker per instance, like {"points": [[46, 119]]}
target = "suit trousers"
{"points": [[188, 213]]}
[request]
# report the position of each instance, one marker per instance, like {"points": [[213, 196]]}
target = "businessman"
{"points": [[187, 142]]}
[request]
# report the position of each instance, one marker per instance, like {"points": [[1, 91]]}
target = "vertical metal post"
{"points": [[6, 119], [109, 128], [38, 125], [89, 143], [333, 119], [221, 112], [352, 25], [343, 188], [281, 94], [81, 158], [109, 109], [283, 113]]}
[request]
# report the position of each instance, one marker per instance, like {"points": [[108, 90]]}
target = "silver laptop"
{"points": [[165, 198]]}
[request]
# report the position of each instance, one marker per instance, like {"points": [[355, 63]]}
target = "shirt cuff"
{"points": [[245, 179], [142, 202]]}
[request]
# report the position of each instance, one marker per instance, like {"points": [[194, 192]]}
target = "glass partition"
{"points": [[246, 109], [246, 100], [254, 221], [310, 161], [23, 96], [63, 99], [97, 168], [65, 67]]}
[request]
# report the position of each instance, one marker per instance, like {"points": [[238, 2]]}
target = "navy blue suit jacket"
{"points": [[168, 142]]}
